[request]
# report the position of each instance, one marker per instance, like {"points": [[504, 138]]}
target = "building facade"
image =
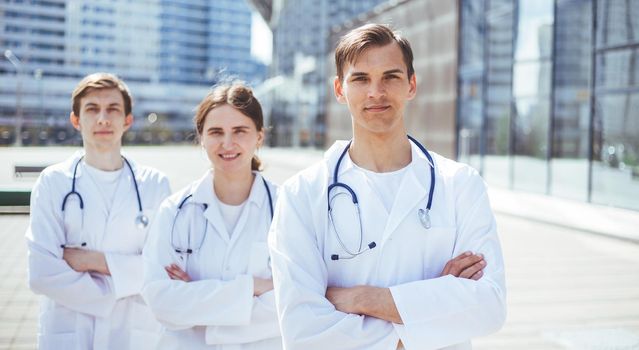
{"points": [[539, 96], [549, 94], [168, 51], [431, 28], [300, 31]]}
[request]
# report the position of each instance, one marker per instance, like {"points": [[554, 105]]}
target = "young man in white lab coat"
{"points": [[89, 220], [376, 277]]}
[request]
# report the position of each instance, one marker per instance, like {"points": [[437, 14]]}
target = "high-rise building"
{"points": [[301, 31], [168, 51]]}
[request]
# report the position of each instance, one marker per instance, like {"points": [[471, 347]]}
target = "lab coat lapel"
{"points": [[125, 199], [203, 193], [413, 190], [256, 198], [95, 211]]}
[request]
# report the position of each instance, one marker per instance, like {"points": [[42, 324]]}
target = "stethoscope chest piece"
{"points": [[424, 217], [142, 221]]}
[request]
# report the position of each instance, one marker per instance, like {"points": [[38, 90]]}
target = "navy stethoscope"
{"points": [[141, 221], [189, 249], [422, 213]]}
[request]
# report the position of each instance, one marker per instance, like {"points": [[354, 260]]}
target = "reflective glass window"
{"points": [[571, 99], [532, 74], [498, 99], [471, 70], [615, 168], [618, 22]]}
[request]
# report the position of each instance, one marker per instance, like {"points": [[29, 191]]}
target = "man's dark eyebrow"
{"points": [[393, 71]]}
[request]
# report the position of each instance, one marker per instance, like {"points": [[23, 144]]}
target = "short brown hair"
{"points": [[237, 95], [355, 42], [99, 81]]}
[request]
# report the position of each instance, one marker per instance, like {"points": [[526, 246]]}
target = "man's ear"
{"points": [[75, 120], [128, 121], [412, 90], [338, 90]]}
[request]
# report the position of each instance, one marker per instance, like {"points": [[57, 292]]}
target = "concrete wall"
{"points": [[431, 27]]}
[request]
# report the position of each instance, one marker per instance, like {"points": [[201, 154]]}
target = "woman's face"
{"points": [[230, 139]]}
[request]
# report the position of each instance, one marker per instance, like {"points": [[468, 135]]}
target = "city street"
{"points": [[567, 289]]}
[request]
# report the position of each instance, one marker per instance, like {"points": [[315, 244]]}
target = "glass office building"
{"points": [[549, 96], [168, 51]]}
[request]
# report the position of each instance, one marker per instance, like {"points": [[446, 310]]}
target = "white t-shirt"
{"points": [[385, 185], [231, 214], [106, 181]]}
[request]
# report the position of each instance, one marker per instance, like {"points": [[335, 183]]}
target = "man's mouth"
{"points": [[376, 108]]}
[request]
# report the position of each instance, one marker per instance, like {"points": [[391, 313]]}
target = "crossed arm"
{"points": [[260, 285], [82, 260], [378, 302]]}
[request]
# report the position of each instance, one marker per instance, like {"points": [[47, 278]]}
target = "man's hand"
{"points": [[82, 260], [365, 300], [466, 265], [176, 273], [261, 285]]}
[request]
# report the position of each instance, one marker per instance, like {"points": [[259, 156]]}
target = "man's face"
{"points": [[102, 121], [375, 88]]}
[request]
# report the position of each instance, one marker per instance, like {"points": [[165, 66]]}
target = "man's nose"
{"points": [[103, 118], [376, 89]]}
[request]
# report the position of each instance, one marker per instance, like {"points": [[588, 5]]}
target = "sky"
{"points": [[261, 39]]}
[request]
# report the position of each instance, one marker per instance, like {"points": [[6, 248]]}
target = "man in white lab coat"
{"points": [[360, 242], [89, 219]]}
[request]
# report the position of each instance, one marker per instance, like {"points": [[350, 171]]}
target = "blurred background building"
{"points": [[539, 96], [301, 73], [168, 51]]}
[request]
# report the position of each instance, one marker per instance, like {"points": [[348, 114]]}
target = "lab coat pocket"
{"points": [[439, 249], [260, 260], [57, 341]]}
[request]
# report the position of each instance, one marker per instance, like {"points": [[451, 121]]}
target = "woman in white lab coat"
{"points": [[89, 220], [207, 267]]}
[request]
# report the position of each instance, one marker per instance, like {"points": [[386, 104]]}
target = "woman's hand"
{"points": [[176, 273], [261, 285]]}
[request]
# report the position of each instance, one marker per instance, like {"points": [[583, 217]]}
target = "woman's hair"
{"points": [[237, 95]]}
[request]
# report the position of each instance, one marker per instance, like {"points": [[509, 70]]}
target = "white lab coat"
{"points": [[437, 312], [217, 309], [91, 310]]}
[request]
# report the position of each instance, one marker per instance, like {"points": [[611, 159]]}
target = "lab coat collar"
{"points": [[331, 156], [413, 189], [203, 190], [69, 164]]}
